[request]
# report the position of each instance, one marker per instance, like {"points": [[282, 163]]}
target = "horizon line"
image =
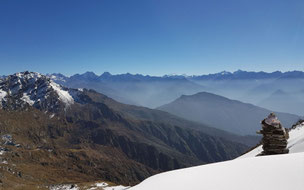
{"points": [[165, 75]]}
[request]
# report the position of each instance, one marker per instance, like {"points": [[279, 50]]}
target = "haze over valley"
{"points": [[151, 95]]}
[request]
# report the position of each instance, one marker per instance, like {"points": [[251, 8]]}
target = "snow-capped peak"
{"points": [[225, 73], [34, 89], [57, 77]]}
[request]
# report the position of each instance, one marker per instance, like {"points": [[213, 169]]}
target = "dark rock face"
{"points": [[274, 136]]}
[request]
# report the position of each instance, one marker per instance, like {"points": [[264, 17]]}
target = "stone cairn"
{"points": [[274, 136]]}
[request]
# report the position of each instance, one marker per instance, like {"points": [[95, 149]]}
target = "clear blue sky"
{"points": [[151, 36]]}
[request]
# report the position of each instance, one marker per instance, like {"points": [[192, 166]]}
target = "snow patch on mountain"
{"points": [[51, 116], [64, 96], [58, 77], [33, 89], [106, 186], [2, 94], [27, 99], [64, 187]]}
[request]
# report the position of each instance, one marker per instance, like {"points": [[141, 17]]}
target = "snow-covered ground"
{"points": [[276, 172], [96, 186], [105, 186], [2, 94], [64, 187]]}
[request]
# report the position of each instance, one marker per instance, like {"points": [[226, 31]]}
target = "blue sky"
{"points": [[153, 37]]}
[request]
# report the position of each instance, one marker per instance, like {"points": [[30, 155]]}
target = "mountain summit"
{"points": [[33, 89], [226, 114]]}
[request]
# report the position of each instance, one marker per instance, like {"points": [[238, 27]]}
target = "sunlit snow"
{"points": [[64, 96], [27, 99], [105, 186], [279, 172], [2, 94]]}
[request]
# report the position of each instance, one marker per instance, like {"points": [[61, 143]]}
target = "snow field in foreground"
{"points": [[279, 172]]}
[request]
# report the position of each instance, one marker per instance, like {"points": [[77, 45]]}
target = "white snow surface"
{"points": [[279, 172], [2, 95], [119, 187], [296, 139], [64, 96], [57, 78], [105, 186], [295, 142], [64, 187], [27, 99]]}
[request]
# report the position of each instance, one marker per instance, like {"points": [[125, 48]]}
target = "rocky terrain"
{"points": [[56, 135]]}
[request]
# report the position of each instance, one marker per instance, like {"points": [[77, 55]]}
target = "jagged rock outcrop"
{"points": [[274, 136], [25, 89]]}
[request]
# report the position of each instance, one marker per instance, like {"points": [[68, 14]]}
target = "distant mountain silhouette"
{"points": [[153, 91], [247, 75], [149, 91], [223, 113], [281, 100]]}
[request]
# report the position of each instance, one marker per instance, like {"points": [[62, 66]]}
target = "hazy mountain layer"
{"points": [[259, 88], [223, 113], [150, 91], [141, 90]]}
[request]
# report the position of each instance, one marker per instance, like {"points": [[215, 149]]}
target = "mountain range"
{"points": [[224, 75], [249, 75], [136, 89], [151, 91], [51, 134]]}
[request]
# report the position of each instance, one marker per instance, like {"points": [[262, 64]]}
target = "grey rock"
{"points": [[274, 136]]}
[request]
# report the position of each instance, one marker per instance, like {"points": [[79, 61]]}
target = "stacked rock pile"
{"points": [[274, 136]]}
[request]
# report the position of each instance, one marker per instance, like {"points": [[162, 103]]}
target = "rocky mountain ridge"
{"points": [[79, 136], [33, 89]]}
